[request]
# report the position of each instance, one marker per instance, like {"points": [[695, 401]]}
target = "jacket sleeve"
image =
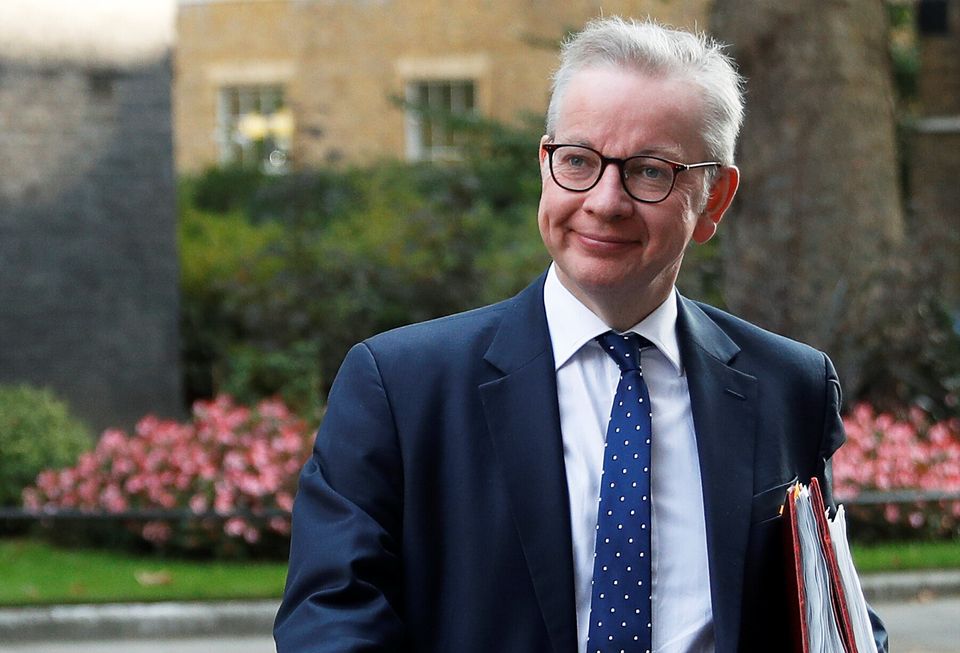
{"points": [[343, 590], [833, 435], [833, 438]]}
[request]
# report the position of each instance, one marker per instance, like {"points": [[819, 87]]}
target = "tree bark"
{"points": [[818, 220]]}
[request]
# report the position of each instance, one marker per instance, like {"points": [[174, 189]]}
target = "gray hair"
{"points": [[656, 50]]}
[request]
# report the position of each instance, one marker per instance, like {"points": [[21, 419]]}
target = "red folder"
{"points": [[796, 592]]}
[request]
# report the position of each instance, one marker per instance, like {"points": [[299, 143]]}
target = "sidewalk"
{"points": [[907, 585], [130, 621], [137, 620]]}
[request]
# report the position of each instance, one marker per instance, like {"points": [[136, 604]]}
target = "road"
{"points": [[931, 626]]}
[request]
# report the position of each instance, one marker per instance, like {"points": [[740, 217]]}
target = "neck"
{"points": [[620, 310], [621, 317]]}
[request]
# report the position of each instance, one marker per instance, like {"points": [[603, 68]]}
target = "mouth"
{"points": [[604, 243]]}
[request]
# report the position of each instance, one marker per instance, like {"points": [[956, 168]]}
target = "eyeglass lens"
{"points": [[578, 169]]}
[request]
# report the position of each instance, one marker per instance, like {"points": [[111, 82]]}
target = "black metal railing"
{"points": [[870, 498]]}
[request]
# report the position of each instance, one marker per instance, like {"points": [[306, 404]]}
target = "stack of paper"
{"points": [[828, 610]]}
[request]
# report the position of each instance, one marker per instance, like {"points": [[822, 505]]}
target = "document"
{"points": [[856, 604], [828, 610]]}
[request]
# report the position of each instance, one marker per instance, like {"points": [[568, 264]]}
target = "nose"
{"points": [[608, 200]]}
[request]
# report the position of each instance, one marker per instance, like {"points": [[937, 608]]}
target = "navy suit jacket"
{"points": [[433, 514]]}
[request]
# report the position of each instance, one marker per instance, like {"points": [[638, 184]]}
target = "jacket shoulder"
{"points": [[759, 344], [443, 335]]}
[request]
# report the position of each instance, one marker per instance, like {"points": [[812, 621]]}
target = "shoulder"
{"points": [[467, 335], [441, 337], [764, 348]]}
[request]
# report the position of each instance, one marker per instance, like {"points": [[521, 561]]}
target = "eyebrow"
{"points": [[667, 151]]}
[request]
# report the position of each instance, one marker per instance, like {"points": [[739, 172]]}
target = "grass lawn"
{"points": [[33, 572], [902, 556]]}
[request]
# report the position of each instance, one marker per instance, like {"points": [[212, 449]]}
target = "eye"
{"points": [[574, 160], [575, 164], [644, 169]]}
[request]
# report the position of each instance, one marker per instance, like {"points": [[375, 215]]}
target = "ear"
{"points": [[722, 190], [543, 153]]}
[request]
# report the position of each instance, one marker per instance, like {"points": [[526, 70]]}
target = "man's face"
{"points": [[606, 245]]}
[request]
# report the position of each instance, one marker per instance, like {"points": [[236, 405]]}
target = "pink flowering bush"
{"points": [[884, 453], [228, 460]]}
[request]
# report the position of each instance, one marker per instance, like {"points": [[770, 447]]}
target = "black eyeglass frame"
{"points": [[676, 166]]}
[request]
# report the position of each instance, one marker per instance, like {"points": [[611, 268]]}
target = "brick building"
{"points": [[315, 81], [935, 146], [88, 261]]}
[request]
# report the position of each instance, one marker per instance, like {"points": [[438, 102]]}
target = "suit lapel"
{"points": [[723, 401], [524, 422]]}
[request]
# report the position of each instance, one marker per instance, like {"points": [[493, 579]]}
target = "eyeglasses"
{"points": [[647, 179]]}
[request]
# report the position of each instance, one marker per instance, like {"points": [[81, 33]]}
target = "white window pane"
{"points": [[430, 106], [244, 131]]}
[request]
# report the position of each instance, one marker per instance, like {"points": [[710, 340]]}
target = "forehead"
{"points": [[623, 111]]}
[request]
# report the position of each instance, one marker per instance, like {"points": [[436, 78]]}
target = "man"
{"points": [[451, 503]]}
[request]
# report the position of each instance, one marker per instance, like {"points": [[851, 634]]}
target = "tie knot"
{"points": [[624, 348]]}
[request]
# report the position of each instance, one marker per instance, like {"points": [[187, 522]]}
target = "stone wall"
{"points": [[88, 260]]}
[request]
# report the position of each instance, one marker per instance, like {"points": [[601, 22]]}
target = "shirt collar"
{"points": [[572, 325]]}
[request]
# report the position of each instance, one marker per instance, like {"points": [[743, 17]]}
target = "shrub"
{"points": [[236, 462], [225, 189], [884, 453], [36, 432], [272, 301], [252, 373]]}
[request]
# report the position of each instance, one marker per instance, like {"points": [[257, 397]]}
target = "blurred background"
{"points": [[204, 203]]}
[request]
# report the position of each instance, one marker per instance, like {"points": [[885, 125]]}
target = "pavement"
{"points": [[171, 644], [130, 622]]}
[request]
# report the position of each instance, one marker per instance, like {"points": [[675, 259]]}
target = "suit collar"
{"points": [[523, 336], [702, 332], [572, 324]]}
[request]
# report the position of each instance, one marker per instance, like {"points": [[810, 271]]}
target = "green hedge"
{"points": [[281, 275], [36, 432]]}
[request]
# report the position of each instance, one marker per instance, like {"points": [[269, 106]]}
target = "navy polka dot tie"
{"points": [[620, 610]]}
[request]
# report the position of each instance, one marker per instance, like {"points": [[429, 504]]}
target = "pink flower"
{"points": [[280, 525], [889, 454], [227, 457], [235, 527], [199, 503], [113, 499], [251, 535], [31, 499], [156, 532]]}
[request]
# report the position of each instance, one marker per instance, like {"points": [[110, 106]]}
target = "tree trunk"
{"points": [[816, 226]]}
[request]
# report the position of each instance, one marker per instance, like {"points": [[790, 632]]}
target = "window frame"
{"points": [[268, 100], [429, 100]]}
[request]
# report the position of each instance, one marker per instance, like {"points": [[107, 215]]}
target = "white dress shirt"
{"points": [[586, 383]]}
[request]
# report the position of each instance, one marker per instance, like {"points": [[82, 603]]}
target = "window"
{"points": [[255, 127], [933, 17], [431, 105]]}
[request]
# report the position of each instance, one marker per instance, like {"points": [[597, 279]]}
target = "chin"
{"points": [[600, 280]]}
